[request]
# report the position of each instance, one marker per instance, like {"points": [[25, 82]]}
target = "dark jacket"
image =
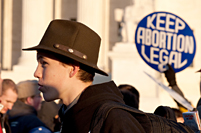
{"points": [[4, 123], [78, 118], [23, 118]]}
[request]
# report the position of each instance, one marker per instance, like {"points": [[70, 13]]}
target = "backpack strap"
{"points": [[150, 122], [102, 112]]}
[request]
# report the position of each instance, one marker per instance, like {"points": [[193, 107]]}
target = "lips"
{"points": [[39, 87]]}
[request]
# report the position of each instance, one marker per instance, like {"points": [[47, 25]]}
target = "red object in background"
{"points": [[1, 129], [0, 125]]}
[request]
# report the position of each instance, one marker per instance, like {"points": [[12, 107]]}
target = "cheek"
{"points": [[5, 106], [51, 74], [37, 102], [57, 77], [3, 102], [49, 77]]}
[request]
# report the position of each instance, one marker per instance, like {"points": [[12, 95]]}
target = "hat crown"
{"points": [[75, 36], [74, 40]]}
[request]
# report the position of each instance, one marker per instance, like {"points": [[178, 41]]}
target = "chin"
{"points": [[3, 112], [48, 98]]}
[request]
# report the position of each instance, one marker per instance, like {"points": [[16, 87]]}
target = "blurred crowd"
{"points": [[23, 109], [67, 58]]}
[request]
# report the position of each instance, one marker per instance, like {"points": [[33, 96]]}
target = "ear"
{"points": [[75, 69], [29, 101]]}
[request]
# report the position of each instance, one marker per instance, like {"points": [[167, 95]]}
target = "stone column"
{"points": [[57, 9], [95, 14], [7, 35], [36, 17]]}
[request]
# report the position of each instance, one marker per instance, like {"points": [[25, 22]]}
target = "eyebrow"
{"points": [[10, 101], [40, 57]]}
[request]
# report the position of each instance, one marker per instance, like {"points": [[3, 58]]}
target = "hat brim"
{"points": [[69, 55]]}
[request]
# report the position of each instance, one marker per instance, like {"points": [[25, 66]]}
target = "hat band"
{"points": [[70, 50]]}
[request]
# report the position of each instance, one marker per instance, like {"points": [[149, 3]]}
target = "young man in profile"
{"points": [[67, 59]]}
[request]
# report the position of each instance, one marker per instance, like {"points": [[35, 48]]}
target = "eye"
{"points": [[43, 63]]}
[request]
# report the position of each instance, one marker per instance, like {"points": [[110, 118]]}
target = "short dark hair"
{"points": [[177, 112], [86, 74], [22, 99], [130, 88], [8, 84], [25, 99], [130, 95]]}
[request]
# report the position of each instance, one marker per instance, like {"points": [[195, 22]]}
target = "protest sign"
{"points": [[161, 38], [192, 120]]}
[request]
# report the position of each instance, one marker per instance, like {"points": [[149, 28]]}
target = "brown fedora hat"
{"points": [[74, 40]]}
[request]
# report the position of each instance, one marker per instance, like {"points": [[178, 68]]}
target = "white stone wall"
{"points": [[152, 95], [127, 66]]}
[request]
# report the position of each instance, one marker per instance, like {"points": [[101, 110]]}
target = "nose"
{"points": [[10, 106], [37, 73]]}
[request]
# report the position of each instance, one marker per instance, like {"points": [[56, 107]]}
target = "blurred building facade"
{"points": [[23, 23]]}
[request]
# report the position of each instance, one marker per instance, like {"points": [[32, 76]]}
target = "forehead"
{"points": [[9, 94], [44, 54], [50, 55]]}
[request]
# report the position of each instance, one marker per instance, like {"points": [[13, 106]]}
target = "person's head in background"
{"points": [[166, 112], [178, 115], [0, 82], [199, 101], [48, 114], [29, 94], [200, 78], [9, 95], [130, 95]]}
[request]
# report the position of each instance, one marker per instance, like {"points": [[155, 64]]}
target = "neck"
{"points": [[76, 90]]}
